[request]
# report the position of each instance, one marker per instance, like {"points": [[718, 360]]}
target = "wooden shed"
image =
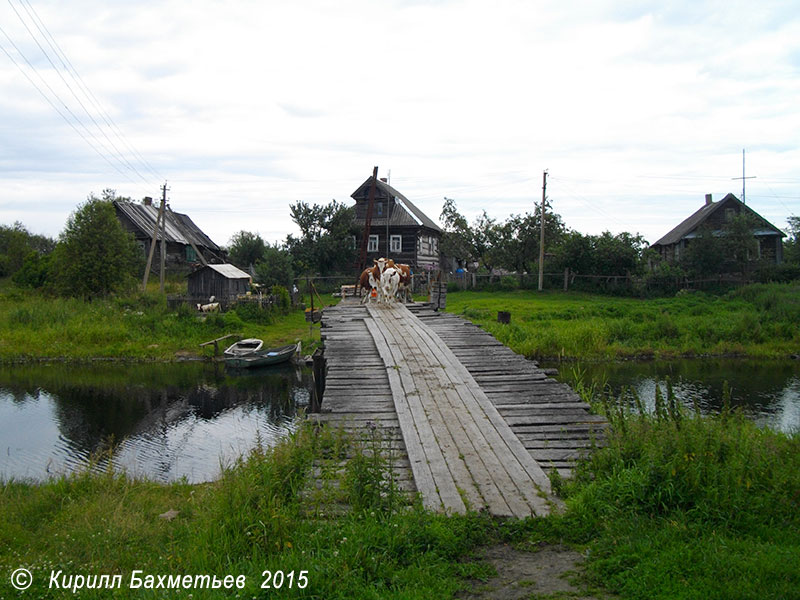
{"points": [[225, 282]]}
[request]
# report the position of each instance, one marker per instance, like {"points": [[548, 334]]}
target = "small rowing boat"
{"points": [[250, 352]]}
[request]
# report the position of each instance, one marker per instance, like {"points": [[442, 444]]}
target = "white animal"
{"points": [[390, 280], [212, 307]]}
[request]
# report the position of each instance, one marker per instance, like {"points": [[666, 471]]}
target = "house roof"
{"points": [[410, 213], [688, 225], [229, 271], [178, 228]]}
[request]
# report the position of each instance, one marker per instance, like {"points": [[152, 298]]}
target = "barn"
{"points": [[180, 233], [713, 216], [225, 282], [398, 229]]}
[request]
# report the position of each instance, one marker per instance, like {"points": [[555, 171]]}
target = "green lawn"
{"points": [[33, 326], [757, 321]]}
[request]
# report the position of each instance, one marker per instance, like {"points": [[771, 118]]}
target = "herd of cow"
{"points": [[384, 282]]}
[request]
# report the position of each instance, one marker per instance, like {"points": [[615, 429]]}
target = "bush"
{"points": [[283, 301], [34, 272]]}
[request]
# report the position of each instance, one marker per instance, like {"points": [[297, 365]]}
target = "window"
{"points": [[396, 243], [730, 213], [435, 245], [372, 246], [191, 255], [379, 206]]}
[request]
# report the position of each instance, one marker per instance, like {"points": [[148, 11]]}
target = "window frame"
{"points": [[395, 247]]}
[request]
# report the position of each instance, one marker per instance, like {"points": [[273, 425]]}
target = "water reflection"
{"points": [[768, 391], [160, 421]]}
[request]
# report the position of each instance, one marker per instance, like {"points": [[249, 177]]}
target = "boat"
{"points": [[250, 352]]}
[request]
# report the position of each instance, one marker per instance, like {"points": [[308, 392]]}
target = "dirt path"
{"points": [[550, 572]]}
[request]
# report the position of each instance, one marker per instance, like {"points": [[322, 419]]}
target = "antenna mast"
{"points": [[743, 178]]}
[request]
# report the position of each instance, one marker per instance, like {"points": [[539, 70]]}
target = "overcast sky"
{"points": [[637, 109]]}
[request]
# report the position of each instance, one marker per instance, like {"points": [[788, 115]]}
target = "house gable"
{"points": [[413, 237], [714, 216]]}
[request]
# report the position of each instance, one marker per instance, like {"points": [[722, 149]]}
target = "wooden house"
{"points": [[714, 216], [224, 282], [398, 230], [179, 233]]}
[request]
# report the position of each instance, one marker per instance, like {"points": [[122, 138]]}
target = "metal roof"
{"points": [[178, 228], [229, 271], [409, 213], [688, 225]]}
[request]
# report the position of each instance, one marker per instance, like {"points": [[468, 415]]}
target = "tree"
{"points": [[791, 245], [705, 254], [575, 252], [325, 244], [456, 239], [275, 268], [467, 243], [16, 243], [246, 249], [739, 243], [518, 244], [619, 254], [94, 255]]}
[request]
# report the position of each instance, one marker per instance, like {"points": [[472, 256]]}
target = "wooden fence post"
{"points": [[318, 372]]}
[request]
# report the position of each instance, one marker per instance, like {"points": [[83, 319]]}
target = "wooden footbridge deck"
{"points": [[475, 424]]}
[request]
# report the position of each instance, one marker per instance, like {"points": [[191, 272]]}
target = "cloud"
{"points": [[247, 107]]}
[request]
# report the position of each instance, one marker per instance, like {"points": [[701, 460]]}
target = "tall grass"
{"points": [[758, 320], [136, 327], [676, 505], [261, 515]]}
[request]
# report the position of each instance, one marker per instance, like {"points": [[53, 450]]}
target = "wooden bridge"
{"points": [[475, 424]]}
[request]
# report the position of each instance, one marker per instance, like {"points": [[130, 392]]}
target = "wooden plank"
{"points": [[450, 423], [441, 485], [504, 433], [510, 474], [420, 462]]}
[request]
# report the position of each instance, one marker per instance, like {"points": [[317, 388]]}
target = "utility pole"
{"points": [[163, 236], [541, 233], [159, 219], [743, 178], [362, 255]]}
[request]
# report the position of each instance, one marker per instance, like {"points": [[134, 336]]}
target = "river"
{"points": [[766, 391], [164, 422]]}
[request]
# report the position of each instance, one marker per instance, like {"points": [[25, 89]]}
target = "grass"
{"points": [[33, 326], [682, 506], [672, 507], [758, 321], [259, 516]]}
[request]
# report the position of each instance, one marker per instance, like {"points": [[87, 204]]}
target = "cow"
{"points": [[404, 287], [370, 281], [390, 279]]}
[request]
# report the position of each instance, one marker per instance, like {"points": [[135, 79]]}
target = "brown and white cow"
{"points": [[370, 281], [404, 286]]}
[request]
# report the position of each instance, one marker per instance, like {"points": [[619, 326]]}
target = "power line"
{"points": [[119, 155], [53, 105], [67, 64]]}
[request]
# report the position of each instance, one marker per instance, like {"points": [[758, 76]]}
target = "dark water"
{"points": [[160, 421], [767, 391]]}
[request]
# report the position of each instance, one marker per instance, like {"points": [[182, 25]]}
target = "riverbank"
{"points": [[758, 321], [671, 507], [137, 327]]}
